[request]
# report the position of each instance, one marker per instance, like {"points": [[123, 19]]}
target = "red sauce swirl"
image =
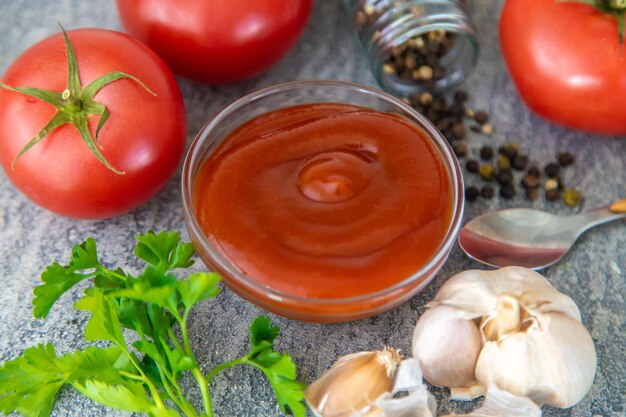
{"points": [[325, 200]]}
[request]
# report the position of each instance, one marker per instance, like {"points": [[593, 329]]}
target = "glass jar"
{"points": [[416, 45], [281, 301]]}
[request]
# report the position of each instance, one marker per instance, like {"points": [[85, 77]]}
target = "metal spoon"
{"points": [[528, 237]]}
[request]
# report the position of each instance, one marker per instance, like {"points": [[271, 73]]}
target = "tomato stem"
{"points": [[75, 105]]}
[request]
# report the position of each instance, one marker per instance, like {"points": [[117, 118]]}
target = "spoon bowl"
{"points": [[530, 238]]}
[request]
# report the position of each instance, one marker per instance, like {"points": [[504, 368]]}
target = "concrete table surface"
{"points": [[593, 274]]}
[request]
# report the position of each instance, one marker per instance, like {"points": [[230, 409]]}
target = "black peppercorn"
{"points": [[565, 158], [457, 110], [472, 165], [504, 176], [487, 192], [443, 125], [460, 96], [471, 193], [531, 182], [532, 194], [458, 130], [552, 169], [534, 171], [510, 151], [481, 116], [475, 128], [519, 162], [507, 190], [486, 152], [460, 149], [552, 194]]}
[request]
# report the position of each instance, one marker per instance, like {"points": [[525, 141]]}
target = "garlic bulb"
{"points": [[526, 337], [353, 384]]}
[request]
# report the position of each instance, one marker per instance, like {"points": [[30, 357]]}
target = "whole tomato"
{"points": [[217, 41], [135, 126], [567, 63]]}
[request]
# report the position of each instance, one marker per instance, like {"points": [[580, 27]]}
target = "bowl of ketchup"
{"points": [[321, 200]]}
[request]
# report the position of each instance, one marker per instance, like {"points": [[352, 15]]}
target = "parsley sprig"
{"points": [[142, 376]]}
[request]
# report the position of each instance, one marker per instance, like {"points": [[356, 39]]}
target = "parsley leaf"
{"points": [[144, 378], [29, 383], [164, 250], [279, 368]]}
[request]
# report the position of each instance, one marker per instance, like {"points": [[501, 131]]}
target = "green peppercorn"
{"points": [[487, 172], [571, 197], [503, 162]]}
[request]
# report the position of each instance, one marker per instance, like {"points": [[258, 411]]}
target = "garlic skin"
{"points": [[352, 385], [500, 403], [447, 346], [417, 402], [532, 342]]}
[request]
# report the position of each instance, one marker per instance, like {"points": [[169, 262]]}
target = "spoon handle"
{"points": [[601, 215]]}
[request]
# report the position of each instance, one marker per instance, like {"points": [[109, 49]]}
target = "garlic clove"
{"points": [[447, 347], [475, 292], [352, 385], [553, 361], [500, 403]]}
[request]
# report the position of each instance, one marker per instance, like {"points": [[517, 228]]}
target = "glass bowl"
{"points": [[307, 92]]}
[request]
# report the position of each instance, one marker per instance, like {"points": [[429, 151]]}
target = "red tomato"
{"points": [[217, 41], [144, 136], [566, 61]]}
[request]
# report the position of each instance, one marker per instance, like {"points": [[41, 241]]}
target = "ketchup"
{"points": [[325, 200]]}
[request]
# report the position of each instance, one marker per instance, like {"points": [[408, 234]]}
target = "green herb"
{"points": [[142, 376]]}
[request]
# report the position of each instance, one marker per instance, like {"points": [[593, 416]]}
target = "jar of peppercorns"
{"points": [[416, 45]]}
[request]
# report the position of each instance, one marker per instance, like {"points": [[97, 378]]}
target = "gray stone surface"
{"points": [[593, 274]]}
